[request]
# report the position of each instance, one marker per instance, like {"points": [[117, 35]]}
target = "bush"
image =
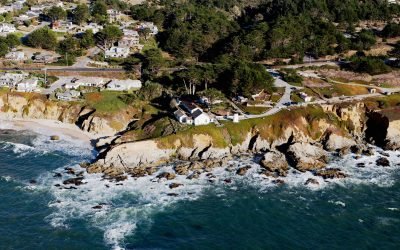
{"points": [[368, 64], [42, 38]]}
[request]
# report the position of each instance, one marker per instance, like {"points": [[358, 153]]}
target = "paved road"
{"points": [[57, 84]]}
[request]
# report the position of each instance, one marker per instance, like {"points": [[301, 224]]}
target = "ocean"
{"points": [[249, 212]]}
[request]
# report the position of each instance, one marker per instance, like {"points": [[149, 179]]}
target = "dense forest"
{"points": [[233, 34]]}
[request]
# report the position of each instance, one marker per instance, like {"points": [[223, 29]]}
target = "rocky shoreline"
{"points": [[305, 145], [294, 149]]}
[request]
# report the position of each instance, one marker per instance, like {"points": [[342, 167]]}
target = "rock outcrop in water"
{"points": [[303, 144]]}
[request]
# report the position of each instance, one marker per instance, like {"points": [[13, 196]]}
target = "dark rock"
{"points": [[69, 170], [182, 169], [275, 162], [98, 207], [368, 152], [383, 162], [70, 187], [166, 175], [57, 185], [195, 165], [119, 184], [80, 174], [194, 175], [175, 185], [344, 151], [228, 180], [361, 165], [32, 182], [172, 194], [57, 175], [243, 170], [357, 149], [54, 137], [330, 173], [150, 170], [120, 178], [311, 181], [278, 181], [75, 181], [137, 172], [384, 153]]}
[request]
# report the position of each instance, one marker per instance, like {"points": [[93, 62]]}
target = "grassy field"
{"points": [[341, 90], [105, 101]]}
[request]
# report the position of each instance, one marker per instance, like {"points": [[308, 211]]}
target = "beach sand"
{"points": [[49, 128]]}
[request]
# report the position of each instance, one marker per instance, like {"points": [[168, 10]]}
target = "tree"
{"points": [[80, 14], [42, 38], [110, 34], [87, 41], [249, 78], [213, 95], [12, 40], [69, 45], [3, 49], [56, 13], [153, 60], [145, 32], [99, 11]]}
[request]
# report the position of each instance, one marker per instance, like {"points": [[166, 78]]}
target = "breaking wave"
{"points": [[118, 209]]}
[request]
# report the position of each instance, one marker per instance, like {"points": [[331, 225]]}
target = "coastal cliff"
{"points": [[303, 136], [35, 106]]}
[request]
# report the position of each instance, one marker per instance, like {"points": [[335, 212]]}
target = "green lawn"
{"points": [[105, 101]]}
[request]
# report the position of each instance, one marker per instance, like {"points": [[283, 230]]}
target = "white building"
{"points": [[11, 79], [89, 82], [200, 118], [27, 85], [7, 28], [121, 85], [91, 26], [182, 117], [117, 52], [15, 56], [114, 15], [68, 95], [148, 25], [305, 97]]}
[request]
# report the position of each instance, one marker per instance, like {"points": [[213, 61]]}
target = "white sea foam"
{"points": [[6, 178], [126, 207]]}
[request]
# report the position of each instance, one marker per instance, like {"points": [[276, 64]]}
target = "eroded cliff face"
{"points": [[33, 106], [340, 126]]}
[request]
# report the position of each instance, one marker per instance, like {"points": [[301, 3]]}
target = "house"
{"points": [[127, 42], [27, 85], [15, 56], [189, 107], [68, 95], [11, 79], [148, 25], [121, 85], [114, 15], [91, 26], [181, 116], [189, 113], [305, 97], [7, 28], [44, 58], [90, 82], [200, 118], [61, 26], [117, 52]]}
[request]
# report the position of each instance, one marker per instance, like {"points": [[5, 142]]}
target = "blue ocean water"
{"points": [[359, 212]]}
